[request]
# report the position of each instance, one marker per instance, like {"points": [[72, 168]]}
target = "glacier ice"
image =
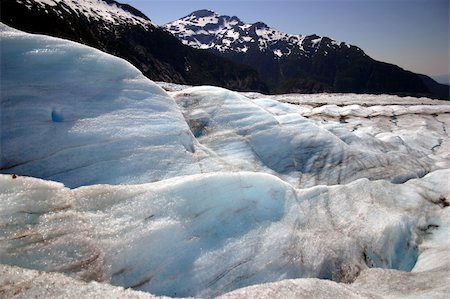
{"points": [[73, 114], [202, 191], [262, 134], [207, 234], [24, 283], [106, 123]]}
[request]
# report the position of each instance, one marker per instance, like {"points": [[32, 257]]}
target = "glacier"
{"points": [[263, 134], [116, 186], [208, 234]]}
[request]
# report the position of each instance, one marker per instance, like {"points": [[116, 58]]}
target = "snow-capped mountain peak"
{"points": [[203, 13], [105, 11], [205, 29]]}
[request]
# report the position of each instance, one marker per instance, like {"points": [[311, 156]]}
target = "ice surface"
{"points": [[74, 114], [324, 145], [106, 123], [208, 234], [211, 197], [18, 283]]}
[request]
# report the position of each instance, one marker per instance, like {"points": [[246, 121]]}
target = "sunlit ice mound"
{"points": [[74, 114], [78, 116], [208, 234]]}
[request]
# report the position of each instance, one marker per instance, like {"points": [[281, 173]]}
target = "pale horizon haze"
{"points": [[413, 34]]}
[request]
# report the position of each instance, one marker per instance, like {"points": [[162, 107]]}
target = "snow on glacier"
{"points": [[211, 196]]}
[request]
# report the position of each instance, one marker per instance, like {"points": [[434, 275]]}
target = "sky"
{"points": [[413, 34]]}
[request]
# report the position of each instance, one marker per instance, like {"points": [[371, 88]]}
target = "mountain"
{"points": [[298, 63], [123, 31], [443, 79], [239, 56]]}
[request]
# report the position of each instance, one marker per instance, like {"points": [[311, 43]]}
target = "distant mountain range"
{"points": [[298, 63], [218, 50]]}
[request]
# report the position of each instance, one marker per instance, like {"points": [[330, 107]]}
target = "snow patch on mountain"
{"points": [[94, 10], [205, 29]]}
